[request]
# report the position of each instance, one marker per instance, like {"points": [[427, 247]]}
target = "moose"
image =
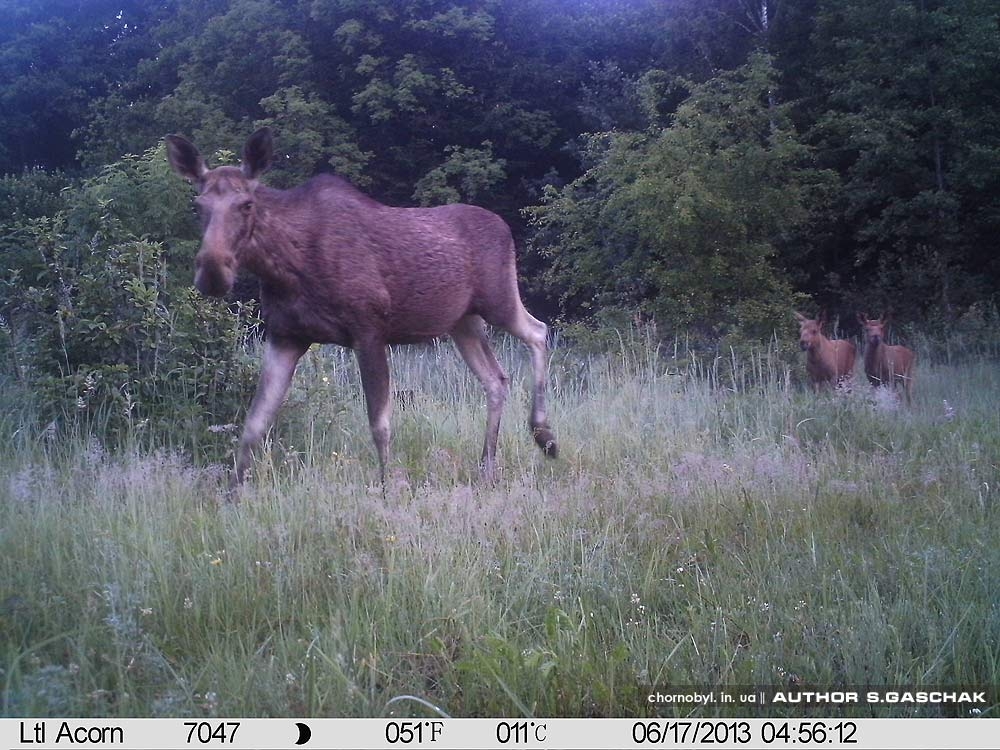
{"points": [[884, 364], [338, 267], [827, 362]]}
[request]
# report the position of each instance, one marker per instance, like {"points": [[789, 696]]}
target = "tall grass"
{"points": [[708, 523]]}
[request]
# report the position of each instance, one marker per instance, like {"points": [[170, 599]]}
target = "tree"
{"points": [[55, 59], [425, 101], [685, 222], [910, 125]]}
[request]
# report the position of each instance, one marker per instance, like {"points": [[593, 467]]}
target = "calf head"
{"points": [[810, 332], [874, 328]]}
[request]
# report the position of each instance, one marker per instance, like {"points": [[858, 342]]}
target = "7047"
{"points": [[207, 733]]}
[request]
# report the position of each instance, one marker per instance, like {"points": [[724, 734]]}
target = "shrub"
{"points": [[98, 312]]}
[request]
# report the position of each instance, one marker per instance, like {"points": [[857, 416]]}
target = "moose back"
{"points": [[337, 267]]}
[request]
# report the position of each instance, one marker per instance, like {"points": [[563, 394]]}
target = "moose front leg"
{"points": [[280, 358], [373, 362]]}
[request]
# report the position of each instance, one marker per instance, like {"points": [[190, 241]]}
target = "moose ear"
{"points": [[185, 159], [862, 318], [799, 316], [257, 153]]}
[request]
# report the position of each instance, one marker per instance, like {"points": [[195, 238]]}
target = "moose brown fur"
{"points": [[884, 364], [827, 362], [338, 267]]}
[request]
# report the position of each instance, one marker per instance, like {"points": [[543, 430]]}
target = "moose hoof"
{"points": [[546, 440]]}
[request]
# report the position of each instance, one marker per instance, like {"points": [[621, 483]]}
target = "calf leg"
{"points": [[907, 381], [280, 358], [473, 344], [374, 365]]}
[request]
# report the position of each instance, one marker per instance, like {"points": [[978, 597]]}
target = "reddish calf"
{"points": [[337, 267], [884, 364], [827, 362]]}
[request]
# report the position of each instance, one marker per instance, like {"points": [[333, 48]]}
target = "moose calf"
{"points": [[884, 364], [827, 362]]}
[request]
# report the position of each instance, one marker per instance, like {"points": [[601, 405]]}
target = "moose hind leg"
{"points": [[534, 333], [280, 359], [473, 344], [373, 362]]}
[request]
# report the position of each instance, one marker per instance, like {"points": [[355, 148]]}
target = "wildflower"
{"points": [[146, 611], [188, 604], [129, 403], [949, 411], [215, 558], [885, 399]]}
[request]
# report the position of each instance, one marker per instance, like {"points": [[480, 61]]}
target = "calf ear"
{"points": [[862, 318], [799, 316], [185, 159], [257, 153]]}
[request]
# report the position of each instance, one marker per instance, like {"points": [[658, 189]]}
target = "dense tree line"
{"points": [[705, 163]]}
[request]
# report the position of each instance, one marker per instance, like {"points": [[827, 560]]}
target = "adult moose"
{"points": [[337, 267], [827, 362], [884, 364]]}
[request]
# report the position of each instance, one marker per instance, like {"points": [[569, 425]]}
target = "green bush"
{"points": [[99, 316], [686, 222]]}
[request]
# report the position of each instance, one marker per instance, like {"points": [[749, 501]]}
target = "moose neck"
{"points": [[273, 251], [873, 354]]}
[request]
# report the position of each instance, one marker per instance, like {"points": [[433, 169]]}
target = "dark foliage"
{"points": [[701, 162]]}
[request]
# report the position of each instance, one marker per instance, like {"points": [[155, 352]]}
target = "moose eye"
{"points": [[200, 209], [245, 207]]}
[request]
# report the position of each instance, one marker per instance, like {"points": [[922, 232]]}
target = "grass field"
{"points": [[708, 523]]}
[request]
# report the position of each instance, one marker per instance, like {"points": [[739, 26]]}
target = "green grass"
{"points": [[708, 523]]}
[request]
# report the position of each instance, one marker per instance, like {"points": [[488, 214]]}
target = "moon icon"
{"points": [[304, 733]]}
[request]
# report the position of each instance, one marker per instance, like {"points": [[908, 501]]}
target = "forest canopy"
{"points": [[706, 164]]}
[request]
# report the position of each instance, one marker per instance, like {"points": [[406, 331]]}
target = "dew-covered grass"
{"points": [[708, 523]]}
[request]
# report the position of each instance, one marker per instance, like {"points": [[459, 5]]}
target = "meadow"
{"points": [[709, 522]]}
